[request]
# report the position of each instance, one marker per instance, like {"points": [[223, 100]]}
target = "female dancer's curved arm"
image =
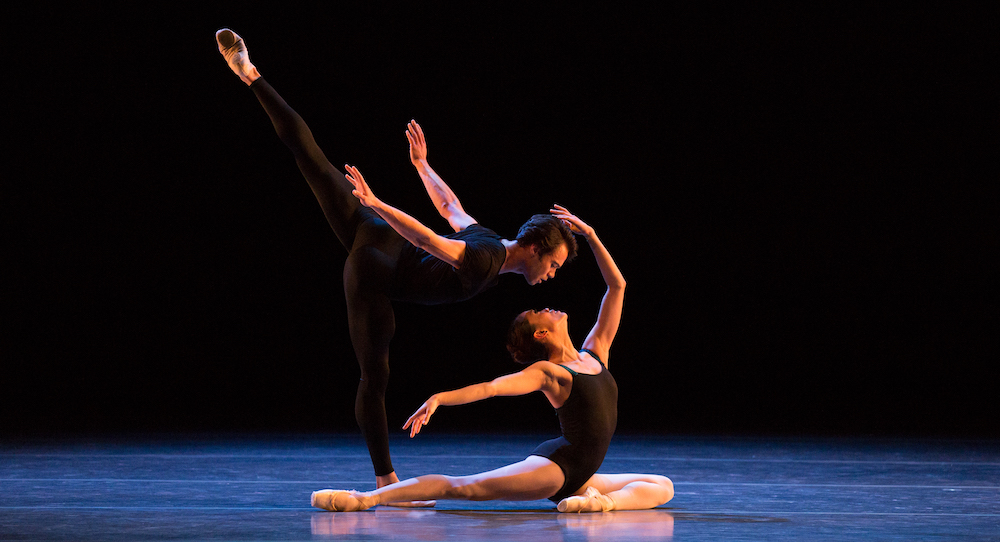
{"points": [[450, 251], [543, 375], [444, 199], [539, 376], [603, 333]]}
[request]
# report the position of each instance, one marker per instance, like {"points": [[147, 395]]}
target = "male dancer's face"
{"points": [[541, 268]]}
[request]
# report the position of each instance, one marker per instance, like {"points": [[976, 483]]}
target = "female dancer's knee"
{"points": [[665, 488], [466, 488], [442, 486]]}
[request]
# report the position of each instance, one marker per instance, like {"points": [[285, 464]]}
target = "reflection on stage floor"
{"points": [[257, 488]]}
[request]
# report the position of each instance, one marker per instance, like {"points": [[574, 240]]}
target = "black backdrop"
{"points": [[802, 202]]}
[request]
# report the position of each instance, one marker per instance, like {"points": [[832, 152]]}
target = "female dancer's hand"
{"points": [[576, 225], [361, 190], [422, 416], [418, 147]]}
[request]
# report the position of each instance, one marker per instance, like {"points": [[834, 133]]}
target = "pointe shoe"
{"points": [[336, 500], [234, 50], [591, 501]]}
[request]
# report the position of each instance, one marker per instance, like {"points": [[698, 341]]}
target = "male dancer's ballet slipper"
{"points": [[336, 500], [591, 501], [234, 50]]}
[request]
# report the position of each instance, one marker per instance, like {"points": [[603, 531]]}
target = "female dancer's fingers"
{"points": [[561, 211], [416, 427], [417, 420], [575, 224], [411, 422], [566, 217]]}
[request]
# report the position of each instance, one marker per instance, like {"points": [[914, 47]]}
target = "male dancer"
{"points": [[392, 256]]}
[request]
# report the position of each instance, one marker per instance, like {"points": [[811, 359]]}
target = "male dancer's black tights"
{"points": [[373, 247]]}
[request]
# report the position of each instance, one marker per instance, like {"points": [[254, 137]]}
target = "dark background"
{"points": [[802, 201]]}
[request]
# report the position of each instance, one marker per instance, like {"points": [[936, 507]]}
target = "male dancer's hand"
{"points": [[418, 146], [361, 189]]}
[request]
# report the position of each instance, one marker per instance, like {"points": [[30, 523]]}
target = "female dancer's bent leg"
{"points": [[604, 492]]}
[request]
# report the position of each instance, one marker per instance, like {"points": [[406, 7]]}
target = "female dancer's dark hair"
{"points": [[521, 344]]}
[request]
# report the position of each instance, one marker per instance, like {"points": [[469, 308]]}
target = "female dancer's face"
{"points": [[546, 319]]}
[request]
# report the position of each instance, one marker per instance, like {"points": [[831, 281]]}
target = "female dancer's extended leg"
{"points": [[534, 478]]}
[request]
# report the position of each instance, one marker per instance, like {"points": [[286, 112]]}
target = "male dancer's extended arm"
{"points": [[450, 251], [444, 199]]}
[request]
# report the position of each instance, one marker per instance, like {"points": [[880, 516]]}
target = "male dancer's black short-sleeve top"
{"points": [[422, 278]]}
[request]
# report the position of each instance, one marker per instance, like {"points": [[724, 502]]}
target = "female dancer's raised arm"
{"points": [[600, 337]]}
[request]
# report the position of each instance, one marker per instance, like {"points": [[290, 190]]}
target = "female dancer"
{"points": [[393, 257], [576, 382]]}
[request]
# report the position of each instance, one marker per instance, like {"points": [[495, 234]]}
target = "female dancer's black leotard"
{"points": [[588, 419], [381, 267]]}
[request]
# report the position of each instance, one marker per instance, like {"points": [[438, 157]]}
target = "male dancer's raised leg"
{"points": [[331, 188], [369, 310]]}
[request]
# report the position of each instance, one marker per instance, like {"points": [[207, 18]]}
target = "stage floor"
{"points": [[257, 488]]}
